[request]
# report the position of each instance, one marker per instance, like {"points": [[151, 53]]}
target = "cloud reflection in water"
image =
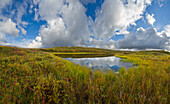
{"points": [[102, 63]]}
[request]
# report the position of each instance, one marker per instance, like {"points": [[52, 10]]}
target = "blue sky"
{"points": [[96, 23]]}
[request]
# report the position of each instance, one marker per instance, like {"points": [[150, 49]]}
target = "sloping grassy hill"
{"points": [[79, 52], [77, 49], [39, 76]]}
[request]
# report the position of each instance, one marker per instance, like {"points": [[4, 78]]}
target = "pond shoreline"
{"points": [[77, 55], [101, 63]]}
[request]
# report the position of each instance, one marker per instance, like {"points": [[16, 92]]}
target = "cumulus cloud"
{"points": [[15, 12], [167, 30], [49, 9], [35, 43], [67, 23], [102, 44], [115, 17], [145, 39], [150, 18], [148, 2], [7, 27], [118, 15]]}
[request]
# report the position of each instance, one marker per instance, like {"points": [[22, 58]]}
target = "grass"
{"points": [[82, 55], [39, 76]]}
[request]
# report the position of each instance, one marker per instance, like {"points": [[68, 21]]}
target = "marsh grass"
{"points": [[38, 76]]}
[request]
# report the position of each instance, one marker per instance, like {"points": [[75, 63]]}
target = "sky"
{"points": [[110, 24]]}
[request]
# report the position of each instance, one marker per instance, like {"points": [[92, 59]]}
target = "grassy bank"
{"points": [[39, 76]]}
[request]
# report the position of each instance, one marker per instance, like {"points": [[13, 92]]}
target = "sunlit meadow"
{"points": [[39, 76]]}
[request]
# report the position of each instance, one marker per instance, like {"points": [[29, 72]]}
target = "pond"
{"points": [[103, 63]]}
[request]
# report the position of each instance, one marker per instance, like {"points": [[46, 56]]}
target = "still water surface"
{"points": [[103, 63]]}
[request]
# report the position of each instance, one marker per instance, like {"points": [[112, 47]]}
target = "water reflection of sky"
{"points": [[102, 63]]}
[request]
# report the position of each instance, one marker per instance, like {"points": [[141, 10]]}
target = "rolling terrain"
{"points": [[42, 76]]}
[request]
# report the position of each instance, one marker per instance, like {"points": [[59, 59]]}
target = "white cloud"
{"points": [[167, 30], [15, 14], [118, 15], [55, 33], [8, 27], [87, 1], [160, 2], [150, 18], [2, 38], [3, 3], [24, 23], [35, 43], [36, 2], [30, 9], [23, 31], [67, 23], [36, 14], [21, 10], [148, 2], [145, 39], [102, 43], [48, 9]]}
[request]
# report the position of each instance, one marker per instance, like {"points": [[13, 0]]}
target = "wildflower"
{"points": [[68, 80], [5, 85], [43, 102]]}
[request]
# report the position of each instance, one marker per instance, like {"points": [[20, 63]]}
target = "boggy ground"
{"points": [[38, 76]]}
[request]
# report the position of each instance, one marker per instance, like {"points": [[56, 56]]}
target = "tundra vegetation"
{"points": [[38, 76]]}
